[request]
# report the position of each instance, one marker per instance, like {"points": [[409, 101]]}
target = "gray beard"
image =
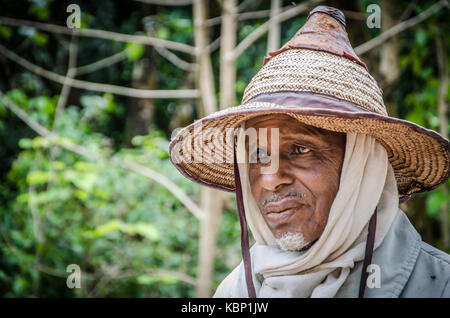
{"points": [[291, 242]]}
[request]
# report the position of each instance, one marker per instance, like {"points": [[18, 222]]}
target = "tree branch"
{"points": [[65, 91], [245, 16], [355, 15], [175, 60], [106, 88], [127, 164], [214, 45], [101, 34], [95, 66], [261, 30], [244, 4], [400, 27], [59, 273], [164, 181]]}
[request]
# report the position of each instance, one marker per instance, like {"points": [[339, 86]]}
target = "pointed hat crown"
{"points": [[319, 59], [325, 31]]}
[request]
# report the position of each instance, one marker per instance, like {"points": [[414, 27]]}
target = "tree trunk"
{"points": [[227, 62], [389, 64], [184, 108], [211, 200], [273, 39], [205, 79], [140, 111]]}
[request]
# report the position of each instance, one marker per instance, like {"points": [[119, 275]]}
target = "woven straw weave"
{"points": [[319, 72]]}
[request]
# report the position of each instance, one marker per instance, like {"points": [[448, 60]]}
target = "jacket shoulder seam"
{"points": [[422, 248]]}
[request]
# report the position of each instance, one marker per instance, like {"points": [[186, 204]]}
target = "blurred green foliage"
{"points": [[131, 236], [118, 226]]}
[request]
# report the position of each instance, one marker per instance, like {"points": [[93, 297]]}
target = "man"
{"points": [[319, 169]]}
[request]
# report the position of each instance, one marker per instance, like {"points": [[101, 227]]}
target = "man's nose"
{"points": [[274, 181]]}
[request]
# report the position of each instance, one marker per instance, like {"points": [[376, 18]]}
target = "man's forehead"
{"points": [[286, 125], [264, 119]]}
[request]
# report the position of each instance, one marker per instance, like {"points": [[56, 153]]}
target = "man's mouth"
{"points": [[280, 211]]}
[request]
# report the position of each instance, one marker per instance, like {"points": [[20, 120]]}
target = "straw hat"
{"points": [[318, 79]]}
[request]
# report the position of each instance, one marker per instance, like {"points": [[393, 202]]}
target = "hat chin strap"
{"points": [[244, 232], [368, 254], [246, 248]]}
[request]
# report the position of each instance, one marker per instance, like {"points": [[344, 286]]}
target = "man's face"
{"points": [[296, 199]]}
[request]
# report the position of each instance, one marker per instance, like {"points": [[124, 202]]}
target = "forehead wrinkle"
{"points": [[299, 132], [257, 120], [260, 122]]}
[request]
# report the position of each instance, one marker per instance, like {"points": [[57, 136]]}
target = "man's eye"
{"points": [[300, 150], [260, 155]]}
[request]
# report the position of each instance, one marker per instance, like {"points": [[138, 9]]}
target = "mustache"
{"points": [[279, 197]]}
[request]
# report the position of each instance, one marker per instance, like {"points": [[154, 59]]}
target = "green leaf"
{"points": [[41, 142], [3, 109], [5, 32], [26, 143], [102, 230], [416, 116], [82, 195], [20, 284], [18, 96], [434, 202], [23, 198], [39, 177], [145, 230], [421, 37], [84, 166], [43, 104], [94, 101], [83, 180], [138, 140], [41, 39], [51, 196], [101, 193], [58, 165], [148, 279], [40, 12], [162, 33]]}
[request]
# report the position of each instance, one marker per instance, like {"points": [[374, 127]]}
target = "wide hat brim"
{"points": [[316, 78], [203, 151]]}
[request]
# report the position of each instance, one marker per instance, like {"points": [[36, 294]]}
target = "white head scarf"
{"points": [[367, 181]]}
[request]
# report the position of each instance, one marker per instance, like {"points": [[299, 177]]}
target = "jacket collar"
{"points": [[395, 257]]}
